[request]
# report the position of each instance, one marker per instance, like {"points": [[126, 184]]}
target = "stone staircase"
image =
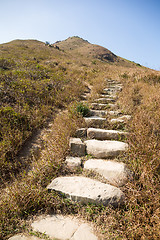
{"points": [[103, 147]]}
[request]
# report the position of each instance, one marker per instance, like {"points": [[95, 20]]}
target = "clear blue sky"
{"points": [[129, 28]]}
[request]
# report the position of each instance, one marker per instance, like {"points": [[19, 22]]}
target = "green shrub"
{"points": [[82, 109]]}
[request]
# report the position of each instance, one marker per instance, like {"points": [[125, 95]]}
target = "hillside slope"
{"points": [[76, 45], [42, 84]]}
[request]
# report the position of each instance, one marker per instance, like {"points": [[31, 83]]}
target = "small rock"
{"points": [[105, 149], [77, 147], [73, 162]]}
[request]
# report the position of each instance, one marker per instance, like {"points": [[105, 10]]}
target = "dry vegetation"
{"points": [[36, 81]]}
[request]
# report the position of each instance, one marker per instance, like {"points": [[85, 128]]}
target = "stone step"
{"points": [[115, 172], [83, 97], [110, 96], [102, 134], [105, 100], [81, 133], [105, 149], [86, 190], [77, 147], [114, 113], [99, 106], [115, 87], [73, 162], [111, 90], [112, 106], [64, 228], [95, 121], [121, 119], [22, 236], [99, 113]]}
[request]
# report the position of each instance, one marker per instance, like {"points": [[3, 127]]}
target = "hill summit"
{"points": [[79, 45]]}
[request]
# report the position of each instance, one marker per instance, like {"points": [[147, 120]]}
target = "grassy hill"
{"points": [[81, 47], [37, 81]]}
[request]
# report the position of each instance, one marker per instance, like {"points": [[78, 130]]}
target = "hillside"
{"points": [[77, 45], [45, 91]]}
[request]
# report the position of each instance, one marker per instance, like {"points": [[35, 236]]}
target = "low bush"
{"points": [[83, 109]]}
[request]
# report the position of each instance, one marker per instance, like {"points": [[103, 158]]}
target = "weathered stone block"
{"points": [[77, 147], [115, 172], [105, 149], [73, 162], [86, 190], [102, 134]]}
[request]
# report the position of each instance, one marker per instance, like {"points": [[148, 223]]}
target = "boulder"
{"points": [[86, 190], [105, 149]]}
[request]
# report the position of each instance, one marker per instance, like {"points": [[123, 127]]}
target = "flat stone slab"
{"points": [[105, 100], [64, 228], [105, 149], [73, 162], [95, 121], [21, 236], [102, 134], [113, 88], [99, 106], [99, 113], [86, 190], [121, 119], [112, 106], [115, 172], [77, 147], [106, 90], [109, 96], [114, 113]]}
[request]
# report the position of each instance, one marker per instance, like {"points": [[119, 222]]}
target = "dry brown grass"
{"points": [[27, 195]]}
